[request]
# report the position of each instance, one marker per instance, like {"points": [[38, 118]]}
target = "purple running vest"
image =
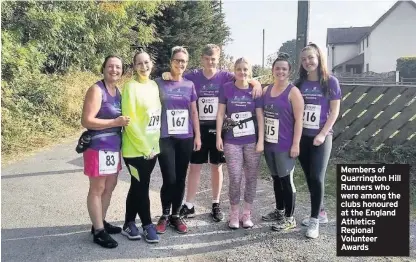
{"points": [[317, 104], [108, 139], [279, 121]]}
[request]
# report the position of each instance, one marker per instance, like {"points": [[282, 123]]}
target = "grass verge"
{"points": [[42, 110]]}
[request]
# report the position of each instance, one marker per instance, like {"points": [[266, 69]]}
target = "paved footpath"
{"points": [[44, 218]]}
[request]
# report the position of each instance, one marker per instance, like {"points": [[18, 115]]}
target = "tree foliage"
{"points": [[76, 35], [191, 24], [258, 70], [288, 47], [407, 66], [51, 50]]}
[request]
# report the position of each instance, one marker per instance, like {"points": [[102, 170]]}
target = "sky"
{"points": [[248, 18]]}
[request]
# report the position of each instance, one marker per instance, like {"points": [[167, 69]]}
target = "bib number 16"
{"points": [[311, 116]]}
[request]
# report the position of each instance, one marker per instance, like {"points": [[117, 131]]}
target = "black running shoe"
{"points": [[187, 212], [103, 239], [109, 228], [216, 213]]}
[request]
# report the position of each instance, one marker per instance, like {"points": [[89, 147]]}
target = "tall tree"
{"points": [[288, 47], [78, 35], [192, 24]]}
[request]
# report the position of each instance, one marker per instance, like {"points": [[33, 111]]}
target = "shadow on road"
{"points": [[75, 243], [59, 172]]}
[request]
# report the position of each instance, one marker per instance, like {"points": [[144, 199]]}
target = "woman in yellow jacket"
{"points": [[140, 145]]}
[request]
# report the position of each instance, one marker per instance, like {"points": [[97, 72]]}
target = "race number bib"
{"points": [[244, 129], [311, 116], [272, 130], [108, 162], [208, 107], [154, 120], [177, 121]]}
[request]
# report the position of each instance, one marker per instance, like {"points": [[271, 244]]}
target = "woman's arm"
{"points": [[136, 130], [334, 106], [296, 99], [220, 121], [260, 125], [92, 105], [195, 122]]}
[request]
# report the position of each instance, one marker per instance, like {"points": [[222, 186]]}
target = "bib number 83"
{"points": [[110, 161]]}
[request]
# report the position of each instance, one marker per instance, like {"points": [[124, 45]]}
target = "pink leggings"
{"points": [[239, 159]]}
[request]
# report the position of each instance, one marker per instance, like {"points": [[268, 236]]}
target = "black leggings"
{"points": [[138, 201], [281, 167], [285, 194], [314, 161], [174, 160]]}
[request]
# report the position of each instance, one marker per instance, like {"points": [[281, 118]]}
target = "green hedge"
{"points": [[407, 66]]}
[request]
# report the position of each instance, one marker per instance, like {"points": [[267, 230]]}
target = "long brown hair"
{"points": [[323, 74]]}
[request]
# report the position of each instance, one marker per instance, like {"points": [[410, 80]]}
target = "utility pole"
{"points": [[263, 49], [221, 6], [222, 51], [302, 29]]}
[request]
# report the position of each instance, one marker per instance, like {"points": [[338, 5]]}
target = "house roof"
{"points": [[381, 19], [349, 35], [352, 35], [356, 60]]}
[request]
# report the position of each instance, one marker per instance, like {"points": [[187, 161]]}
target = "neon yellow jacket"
{"points": [[141, 102]]}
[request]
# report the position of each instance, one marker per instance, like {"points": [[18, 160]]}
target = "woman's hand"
{"points": [[294, 151], [197, 143], [318, 140], [122, 121], [259, 147], [166, 76], [220, 145]]}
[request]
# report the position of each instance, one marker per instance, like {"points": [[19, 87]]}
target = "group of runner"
{"points": [[207, 115]]}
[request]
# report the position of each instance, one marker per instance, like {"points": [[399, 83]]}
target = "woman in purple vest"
{"points": [[101, 115], [243, 144], [322, 95], [283, 112], [179, 124]]}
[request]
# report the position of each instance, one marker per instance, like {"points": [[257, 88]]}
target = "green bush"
{"points": [[407, 66], [37, 109]]}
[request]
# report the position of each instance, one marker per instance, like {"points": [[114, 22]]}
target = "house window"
{"points": [[363, 45], [367, 41], [367, 67]]}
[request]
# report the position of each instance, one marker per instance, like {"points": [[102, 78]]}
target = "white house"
{"points": [[376, 48]]}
